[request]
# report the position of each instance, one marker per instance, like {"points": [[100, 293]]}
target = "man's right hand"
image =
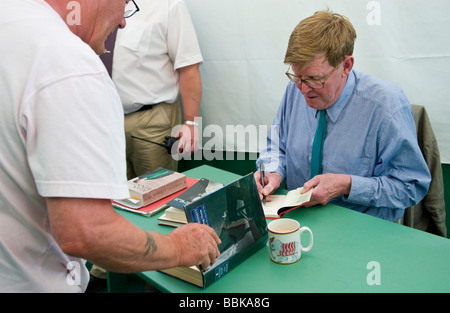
{"points": [[197, 244], [271, 183]]}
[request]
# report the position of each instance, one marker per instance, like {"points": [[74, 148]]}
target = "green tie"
{"points": [[317, 148]]}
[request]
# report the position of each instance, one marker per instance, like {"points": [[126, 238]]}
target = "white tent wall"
{"points": [[244, 41]]}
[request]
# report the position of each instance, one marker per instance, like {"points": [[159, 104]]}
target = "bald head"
{"points": [[91, 20]]}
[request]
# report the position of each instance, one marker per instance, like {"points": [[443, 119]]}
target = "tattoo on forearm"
{"points": [[150, 245]]}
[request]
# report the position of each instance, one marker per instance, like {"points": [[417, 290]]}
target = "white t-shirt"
{"points": [[61, 135], [158, 40]]}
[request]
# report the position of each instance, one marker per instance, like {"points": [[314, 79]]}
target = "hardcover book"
{"points": [[172, 222], [236, 214], [199, 189], [175, 210], [281, 204]]}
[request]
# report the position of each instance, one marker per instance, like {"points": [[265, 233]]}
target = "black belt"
{"points": [[146, 107]]}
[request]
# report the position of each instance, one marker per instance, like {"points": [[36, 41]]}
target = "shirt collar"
{"points": [[335, 110]]}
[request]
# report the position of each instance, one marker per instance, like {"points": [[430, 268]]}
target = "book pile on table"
{"points": [[150, 192]]}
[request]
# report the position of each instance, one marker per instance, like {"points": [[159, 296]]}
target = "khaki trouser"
{"points": [[152, 124]]}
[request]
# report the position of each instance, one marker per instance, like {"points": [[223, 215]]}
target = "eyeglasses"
{"points": [[311, 83], [130, 12]]}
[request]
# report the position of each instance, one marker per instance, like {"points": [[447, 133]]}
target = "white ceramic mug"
{"points": [[285, 246]]}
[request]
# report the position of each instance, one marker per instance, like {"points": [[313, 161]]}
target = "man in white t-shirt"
{"points": [[63, 155], [156, 60]]}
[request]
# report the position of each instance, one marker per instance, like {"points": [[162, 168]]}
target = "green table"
{"points": [[352, 252]]}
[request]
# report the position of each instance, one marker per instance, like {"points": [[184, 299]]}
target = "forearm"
{"points": [[400, 177], [136, 250], [130, 249], [190, 91], [94, 231], [387, 191]]}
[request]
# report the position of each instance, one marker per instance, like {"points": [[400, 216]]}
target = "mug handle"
{"points": [[310, 241]]}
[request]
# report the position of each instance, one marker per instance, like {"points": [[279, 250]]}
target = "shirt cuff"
{"points": [[360, 191]]}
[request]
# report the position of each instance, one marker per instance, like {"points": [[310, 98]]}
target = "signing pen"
{"points": [[261, 169]]}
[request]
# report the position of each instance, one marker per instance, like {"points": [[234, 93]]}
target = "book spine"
{"points": [[217, 272]]}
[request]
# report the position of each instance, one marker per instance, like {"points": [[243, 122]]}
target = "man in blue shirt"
{"points": [[371, 161]]}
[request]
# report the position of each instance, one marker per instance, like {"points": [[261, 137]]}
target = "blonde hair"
{"points": [[324, 32]]}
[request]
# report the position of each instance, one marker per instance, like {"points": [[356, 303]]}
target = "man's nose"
{"points": [[304, 88]]}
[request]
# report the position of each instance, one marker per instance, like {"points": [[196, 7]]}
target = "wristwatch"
{"points": [[191, 123]]}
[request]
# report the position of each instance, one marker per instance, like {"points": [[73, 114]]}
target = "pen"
{"points": [[151, 176], [261, 169]]}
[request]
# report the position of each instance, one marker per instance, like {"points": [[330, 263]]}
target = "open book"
{"points": [[281, 204]]}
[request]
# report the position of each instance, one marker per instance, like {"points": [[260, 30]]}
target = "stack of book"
{"points": [[163, 189], [150, 192], [234, 211]]}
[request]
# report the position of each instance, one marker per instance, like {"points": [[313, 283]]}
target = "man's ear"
{"points": [[348, 64]]}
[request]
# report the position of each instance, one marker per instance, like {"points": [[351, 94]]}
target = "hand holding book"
{"points": [[327, 187], [197, 244]]}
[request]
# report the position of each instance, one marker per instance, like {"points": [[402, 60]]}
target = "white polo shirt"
{"points": [[61, 135], [158, 40]]}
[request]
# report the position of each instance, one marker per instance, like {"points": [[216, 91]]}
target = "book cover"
{"points": [[281, 204], [201, 188], [236, 214], [154, 185]]}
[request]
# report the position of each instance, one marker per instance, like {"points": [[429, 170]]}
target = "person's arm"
{"points": [[400, 178], [92, 230], [191, 96]]}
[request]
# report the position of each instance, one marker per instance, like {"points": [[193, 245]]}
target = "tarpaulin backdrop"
{"points": [[244, 41]]}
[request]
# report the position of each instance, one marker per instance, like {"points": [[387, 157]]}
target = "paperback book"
{"points": [[153, 208], [147, 189], [155, 185]]}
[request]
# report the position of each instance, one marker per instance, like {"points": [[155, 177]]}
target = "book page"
{"points": [[271, 207], [295, 197]]}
